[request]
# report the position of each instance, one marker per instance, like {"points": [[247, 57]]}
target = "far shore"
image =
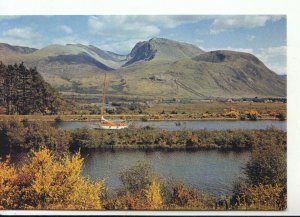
{"points": [[88, 118]]}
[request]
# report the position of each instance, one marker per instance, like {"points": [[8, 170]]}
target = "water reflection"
{"points": [[212, 171]]}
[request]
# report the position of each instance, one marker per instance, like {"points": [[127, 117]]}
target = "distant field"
{"points": [[173, 111], [216, 107]]}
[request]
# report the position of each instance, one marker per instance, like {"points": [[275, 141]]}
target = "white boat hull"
{"points": [[112, 127]]}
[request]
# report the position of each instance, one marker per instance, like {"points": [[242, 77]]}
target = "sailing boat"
{"points": [[108, 124]]}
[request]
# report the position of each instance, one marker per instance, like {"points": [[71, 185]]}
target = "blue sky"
{"points": [[261, 35]]}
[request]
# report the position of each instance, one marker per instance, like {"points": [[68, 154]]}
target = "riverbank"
{"points": [[149, 138], [30, 135], [95, 118]]}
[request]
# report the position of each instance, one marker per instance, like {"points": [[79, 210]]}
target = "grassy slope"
{"points": [[240, 76]]}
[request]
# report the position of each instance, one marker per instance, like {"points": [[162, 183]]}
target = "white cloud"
{"points": [[25, 33], [272, 52], [173, 21], [224, 23], [274, 58], [279, 69], [120, 47], [150, 24], [70, 39], [121, 27], [121, 33], [65, 29], [23, 36]]}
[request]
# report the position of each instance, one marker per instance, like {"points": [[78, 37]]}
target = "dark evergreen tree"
{"points": [[24, 91]]}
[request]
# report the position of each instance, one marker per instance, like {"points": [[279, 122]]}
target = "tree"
{"points": [[267, 165], [24, 91], [265, 184], [48, 182]]}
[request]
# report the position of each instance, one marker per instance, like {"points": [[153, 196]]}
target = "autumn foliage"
{"points": [[263, 197], [45, 182]]}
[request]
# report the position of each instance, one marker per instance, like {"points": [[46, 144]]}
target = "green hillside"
{"points": [[155, 68]]}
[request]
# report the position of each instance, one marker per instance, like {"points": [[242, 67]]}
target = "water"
{"points": [[189, 125], [212, 171]]}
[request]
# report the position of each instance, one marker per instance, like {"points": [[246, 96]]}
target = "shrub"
{"points": [[153, 195], [267, 165], [232, 114], [262, 197], [184, 197], [252, 114], [144, 118], [46, 182], [58, 119], [138, 177], [34, 135], [281, 116], [243, 117]]}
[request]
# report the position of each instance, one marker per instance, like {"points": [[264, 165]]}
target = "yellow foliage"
{"points": [[45, 182], [232, 114], [7, 188], [204, 115], [190, 199], [153, 196], [252, 112], [263, 197], [148, 198]]}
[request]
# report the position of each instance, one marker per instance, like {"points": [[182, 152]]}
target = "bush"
{"points": [[262, 197], [252, 114], [144, 118], [281, 116], [58, 119], [137, 177], [267, 165], [232, 114], [243, 117], [47, 182], [190, 198], [33, 135]]}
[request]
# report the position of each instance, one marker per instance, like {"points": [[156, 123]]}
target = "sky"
{"points": [[262, 35]]}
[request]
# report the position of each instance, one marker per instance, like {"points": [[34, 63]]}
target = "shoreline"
{"points": [[96, 118]]}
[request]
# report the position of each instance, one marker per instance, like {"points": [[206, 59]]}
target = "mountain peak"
{"points": [[162, 49]]}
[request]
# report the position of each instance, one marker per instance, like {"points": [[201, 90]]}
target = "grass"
{"points": [[216, 107], [172, 111]]}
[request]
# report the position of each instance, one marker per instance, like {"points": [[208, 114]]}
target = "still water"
{"points": [[189, 125], [212, 171]]}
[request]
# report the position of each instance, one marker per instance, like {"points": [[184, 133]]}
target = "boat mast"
{"points": [[103, 95]]}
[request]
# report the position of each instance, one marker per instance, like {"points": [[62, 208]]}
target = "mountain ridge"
{"points": [[155, 67]]}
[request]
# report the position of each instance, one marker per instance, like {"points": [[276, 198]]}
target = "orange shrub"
{"points": [[45, 182]]}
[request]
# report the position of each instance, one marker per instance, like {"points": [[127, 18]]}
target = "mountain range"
{"points": [[158, 68]]}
